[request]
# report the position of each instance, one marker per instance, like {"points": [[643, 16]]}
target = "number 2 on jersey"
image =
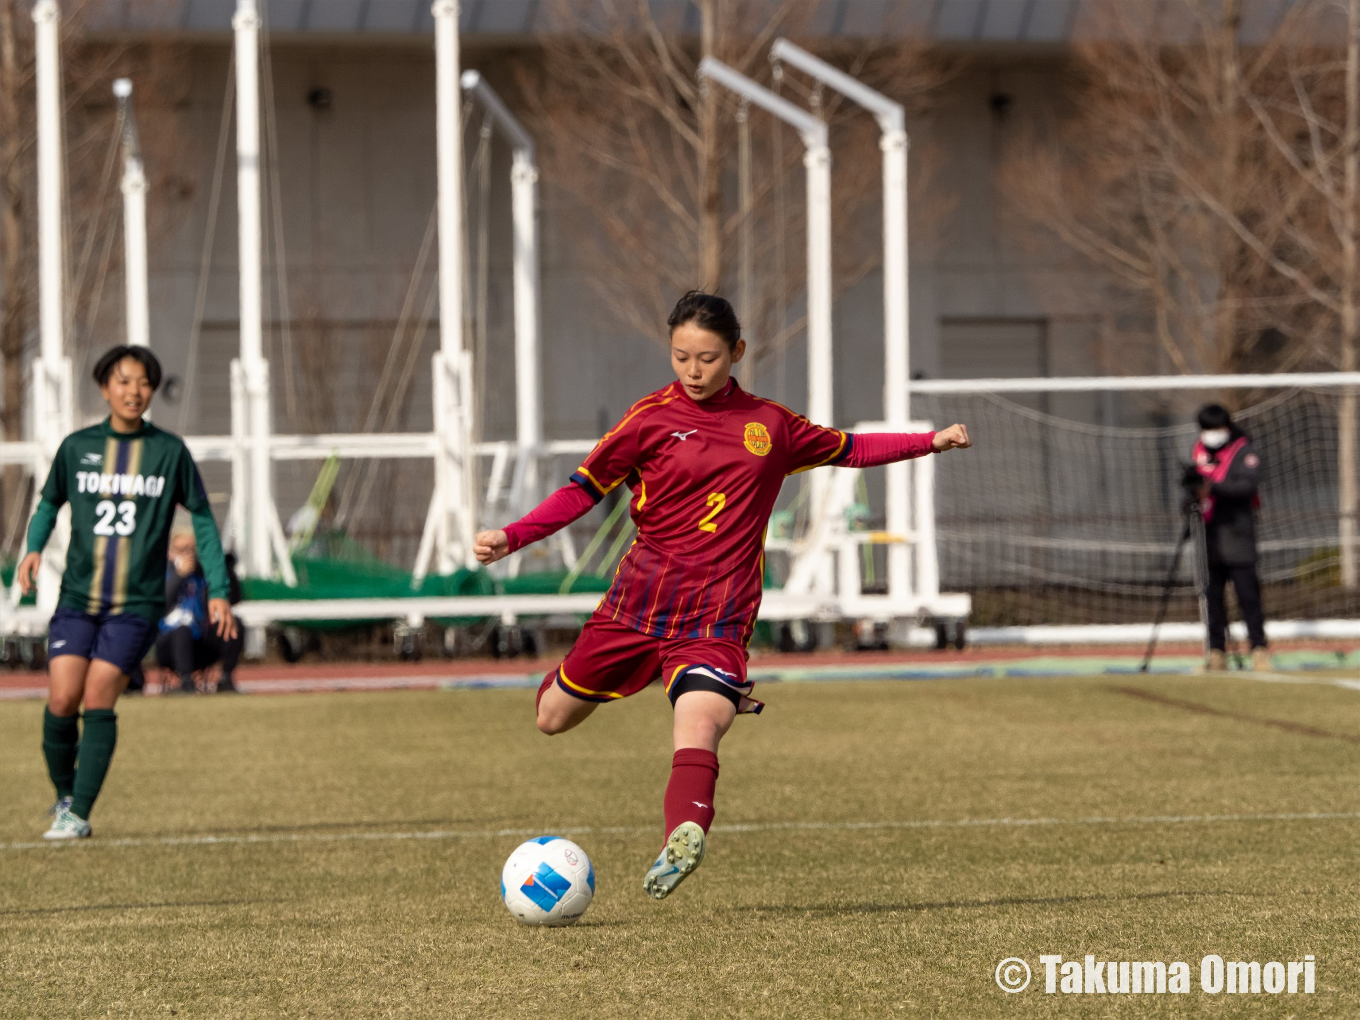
{"points": [[126, 512], [717, 500]]}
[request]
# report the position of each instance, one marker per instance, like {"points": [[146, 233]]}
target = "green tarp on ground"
{"points": [[335, 567]]}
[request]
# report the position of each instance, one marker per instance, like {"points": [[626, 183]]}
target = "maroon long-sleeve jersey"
{"points": [[705, 477]]}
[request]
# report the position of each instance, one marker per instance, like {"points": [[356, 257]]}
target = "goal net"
{"points": [[1068, 508]]}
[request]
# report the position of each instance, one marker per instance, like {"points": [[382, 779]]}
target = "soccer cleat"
{"points": [[683, 852], [225, 686], [1216, 663], [1260, 660], [65, 824]]}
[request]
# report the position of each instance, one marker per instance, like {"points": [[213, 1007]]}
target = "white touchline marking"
{"points": [[1283, 678], [447, 834]]}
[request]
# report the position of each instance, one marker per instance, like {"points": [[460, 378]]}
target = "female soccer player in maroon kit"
{"points": [[705, 461]]}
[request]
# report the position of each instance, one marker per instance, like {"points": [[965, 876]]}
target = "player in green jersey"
{"points": [[123, 479]]}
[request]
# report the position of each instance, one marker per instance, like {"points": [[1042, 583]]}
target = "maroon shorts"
{"points": [[611, 660]]}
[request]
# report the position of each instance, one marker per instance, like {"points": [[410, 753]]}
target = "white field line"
{"points": [[454, 834], [1285, 678]]}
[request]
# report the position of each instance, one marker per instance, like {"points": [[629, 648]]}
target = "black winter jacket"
{"points": [[1230, 534]]}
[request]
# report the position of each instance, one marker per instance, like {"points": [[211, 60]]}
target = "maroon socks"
{"points": [[689, 794]]}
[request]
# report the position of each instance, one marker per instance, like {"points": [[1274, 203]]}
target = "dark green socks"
{"points": [[61, 737], [96, 751]]}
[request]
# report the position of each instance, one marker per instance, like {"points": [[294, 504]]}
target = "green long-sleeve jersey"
{"points": [[123, 488]]}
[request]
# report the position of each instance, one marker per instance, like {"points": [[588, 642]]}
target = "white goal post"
{"points": [[1061, 522]]}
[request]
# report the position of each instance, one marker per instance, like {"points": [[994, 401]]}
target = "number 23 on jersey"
{"points": [[126, 512]]}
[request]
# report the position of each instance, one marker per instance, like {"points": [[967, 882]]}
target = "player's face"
{"points": [[128, 390], [702, 361]]}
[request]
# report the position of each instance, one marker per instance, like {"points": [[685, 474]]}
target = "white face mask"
{"points": [[1214, 438]]}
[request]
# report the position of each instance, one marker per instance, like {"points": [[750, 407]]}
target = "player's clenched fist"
{"points": [[490, 546], [953, 438]]}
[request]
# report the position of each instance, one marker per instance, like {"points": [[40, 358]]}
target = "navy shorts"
{"points": [[122, 639]]}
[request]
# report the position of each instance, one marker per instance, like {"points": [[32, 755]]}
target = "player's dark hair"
{"points": [[1214, 416], [103, 368], [707, 311]]}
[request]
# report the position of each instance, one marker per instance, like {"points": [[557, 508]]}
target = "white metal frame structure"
{"points": [[252, 447], [817, 161], [524, 487], [894, 143]]}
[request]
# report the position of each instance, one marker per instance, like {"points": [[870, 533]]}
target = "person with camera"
{"points": [[1225, 479]]}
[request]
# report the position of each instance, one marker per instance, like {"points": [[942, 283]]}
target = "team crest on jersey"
{"points": [[757, 439]]}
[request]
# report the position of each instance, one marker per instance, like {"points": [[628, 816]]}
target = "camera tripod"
{"points": [[1192, 534]]}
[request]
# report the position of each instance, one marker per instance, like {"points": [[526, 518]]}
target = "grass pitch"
{"points": [[361, 839]]}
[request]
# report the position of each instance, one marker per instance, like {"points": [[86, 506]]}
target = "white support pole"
{"points": [[134, 224], [524, 214], [896, 278], [528, 399], [238, 524], [52, 393], [927, 556], [456, 501], [891, 119], [449, 153], [821, 368], [258, 557], [46, 20], [896, 344]]}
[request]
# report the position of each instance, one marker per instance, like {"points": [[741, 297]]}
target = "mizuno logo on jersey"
{"points": [[682, 436], [120, 485], [92, 459]]}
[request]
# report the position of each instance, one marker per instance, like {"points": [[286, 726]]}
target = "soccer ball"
{"points": [[549, 881]]}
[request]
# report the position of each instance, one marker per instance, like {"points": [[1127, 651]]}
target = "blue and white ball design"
{"points": [[548, 881]]}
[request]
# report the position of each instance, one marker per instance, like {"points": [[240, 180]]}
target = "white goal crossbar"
{"points": [[1092, 384]]}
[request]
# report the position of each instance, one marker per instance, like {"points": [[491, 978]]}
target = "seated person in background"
{"points": [[186, 643]]}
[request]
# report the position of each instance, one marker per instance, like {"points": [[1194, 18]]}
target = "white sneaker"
{"points": [[65, 824], [683, 852]]}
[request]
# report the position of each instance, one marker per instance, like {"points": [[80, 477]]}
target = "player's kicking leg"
{"points": [[608, 662], [559, 711], [702, 717]]}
